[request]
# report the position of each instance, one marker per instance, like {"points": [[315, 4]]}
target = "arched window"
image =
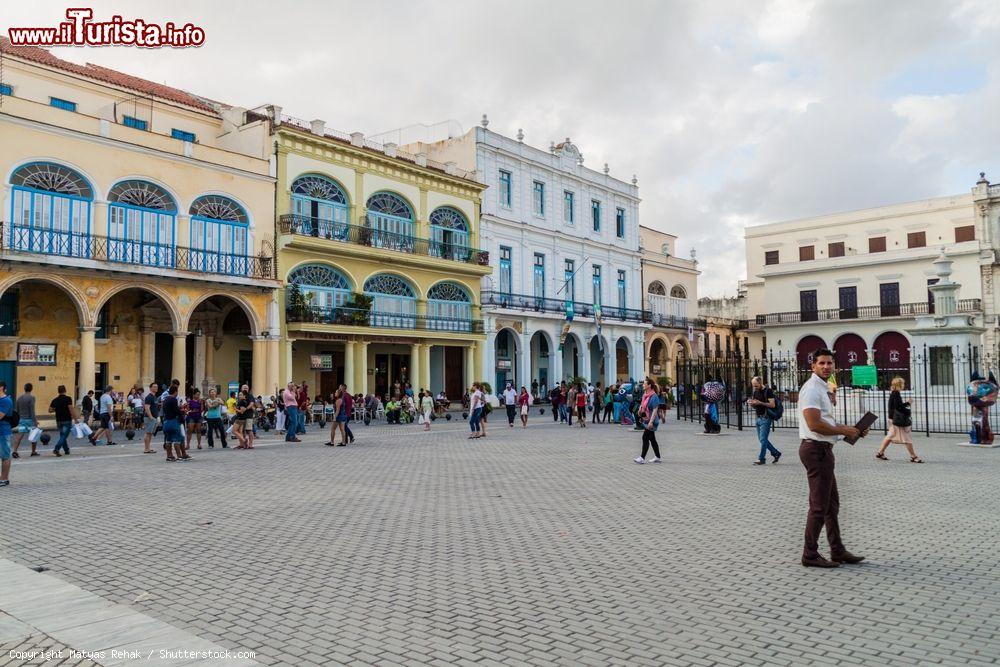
{"points": [[449, 307], [321, 286], [678, 292], [449, 234], [141, 224], [657, 288], [320, 207], [391, 219], [219, 236], [394, 303], [50, 210]]}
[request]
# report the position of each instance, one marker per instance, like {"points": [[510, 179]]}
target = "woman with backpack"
{"points": [[765, 403], [899, 429]]}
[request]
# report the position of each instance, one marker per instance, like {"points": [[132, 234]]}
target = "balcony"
{"points": [[373, 237], [492, 298], [862, 313], [19, 239], [678, 322], [358, 317]]}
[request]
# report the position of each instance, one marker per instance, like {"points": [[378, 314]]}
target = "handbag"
{"points": [[901, 417], [34, 434]]}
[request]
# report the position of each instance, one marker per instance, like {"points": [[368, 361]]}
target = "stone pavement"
{"points": [[543, 546]]}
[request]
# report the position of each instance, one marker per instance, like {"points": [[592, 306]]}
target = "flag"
{"points": [[597, 321]]}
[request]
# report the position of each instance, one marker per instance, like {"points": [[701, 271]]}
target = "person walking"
{"points": [[570, 404], [62, 407], [240, 409], [291, 402], [25, 406], [6, 408], [303, 402], [105, 412], [554, 402], [761, 400], [151, 418], [87, 406], [817, 429], [609, 405], [249, 411], [510, 403], [213, 418], [900, 428], [348, 413], [337, 423], [193, 418], [427, 408], [173, 439], [581, 405], [523, 401], [598, 404], [475, 411], [649, 416]]}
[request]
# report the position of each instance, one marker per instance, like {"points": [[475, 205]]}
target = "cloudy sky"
{"points": [[730, 113]]}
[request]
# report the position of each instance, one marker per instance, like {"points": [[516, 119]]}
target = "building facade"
{"points": [[726, 326], [670, 286], [379, 252], [858, 281], [564, 296], [137, 238]]}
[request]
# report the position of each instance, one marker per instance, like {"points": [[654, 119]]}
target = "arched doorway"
{"points": [[541, 362], [848, 350], [219, 347], [658, 359], [623, 360], [571, 360], [598, 353], [804, 351], [505, 363], [892, 357]]}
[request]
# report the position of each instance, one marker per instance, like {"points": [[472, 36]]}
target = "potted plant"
{"points": [[359, 309]]}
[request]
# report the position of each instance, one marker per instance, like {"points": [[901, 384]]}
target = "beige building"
{"points": [[137, 237], [726, 326], [857, 281], [670, 293]]}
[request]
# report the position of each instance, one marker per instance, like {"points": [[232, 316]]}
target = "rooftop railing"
{"points": [[863, 312], [496, 299]]}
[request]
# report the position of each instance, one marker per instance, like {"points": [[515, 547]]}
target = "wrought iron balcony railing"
{"points": [[358, 317], [678, 322], [863, 312], [495, 299], [30, 240], [373, 237]]}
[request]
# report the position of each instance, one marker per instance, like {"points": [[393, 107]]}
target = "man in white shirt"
{"points": [[818, 429], [510, 402]]}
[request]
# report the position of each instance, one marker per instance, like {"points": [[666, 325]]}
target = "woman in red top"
{"points": [[524, 400], [581, 405]]}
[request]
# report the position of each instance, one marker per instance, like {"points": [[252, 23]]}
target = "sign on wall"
{"points": [[504, 364], [864, 376], [36, 354], [321, 362]]}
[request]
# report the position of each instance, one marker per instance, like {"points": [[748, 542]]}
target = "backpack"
{"points": [[778, 409], [13, 418]]}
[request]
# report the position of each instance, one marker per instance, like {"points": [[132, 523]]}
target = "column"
{"points": [[88, 357], [272, 378], [555, 361], [361, 367], [524, 361], [199, 362], [610, 365], [178, 368], [210, 363], [350, 354], [585, 361], [470, 361], [258, 372], [415, 365], [477, 362], [286, 351], [425, 366], [147, 355]]}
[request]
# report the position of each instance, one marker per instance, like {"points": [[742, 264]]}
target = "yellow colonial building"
{"points": [[137, 233], [378, 249]]}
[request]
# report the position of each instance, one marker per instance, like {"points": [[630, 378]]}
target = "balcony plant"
{"points": [[359, 309], [483, 257], [297, 307]]}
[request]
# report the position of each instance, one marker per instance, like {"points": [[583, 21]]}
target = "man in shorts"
{"points": [[151, 417], [106, 408], [173, 439], [25, 407], [6, 407]]}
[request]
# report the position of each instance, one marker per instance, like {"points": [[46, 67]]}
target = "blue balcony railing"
{"points": [[358, 317], [495, 299], [28, 240]]}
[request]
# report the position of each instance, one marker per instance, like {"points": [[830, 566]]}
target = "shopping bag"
{"points": [[34, 434], [420, 419], [229, 430]]}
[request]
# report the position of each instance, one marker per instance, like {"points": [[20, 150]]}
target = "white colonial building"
{"points": [[563, 239], [858, 282]]}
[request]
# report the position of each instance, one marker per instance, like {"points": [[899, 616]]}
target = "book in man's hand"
{"points": [[863, 425]]}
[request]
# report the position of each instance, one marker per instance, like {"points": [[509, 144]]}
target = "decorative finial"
{"points": [[694, 255], [606, 170], [552, 147], [567, 140], [982, 179], [485, 121], [520, 134], [635, 181]]}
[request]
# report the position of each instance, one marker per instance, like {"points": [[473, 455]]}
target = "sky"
{"points": [[729, 113]]}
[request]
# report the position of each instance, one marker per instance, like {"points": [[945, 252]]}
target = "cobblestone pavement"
{"points": [[540, 546]]}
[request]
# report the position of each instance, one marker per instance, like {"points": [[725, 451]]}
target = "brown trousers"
{"points": [[824, 502]]}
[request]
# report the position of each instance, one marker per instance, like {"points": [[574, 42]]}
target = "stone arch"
{"points": [[85, 317], [891, 350], [98, 195], [169, 301], [804, 347], [413, 284], [514, 352], [247, 211], [324, 176], [255, 324], [333, 265], [660, 354]]}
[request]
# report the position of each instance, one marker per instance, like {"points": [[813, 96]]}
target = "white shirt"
{"points": [[476, 400], [813, 394], [107, 404], [510, 397]]}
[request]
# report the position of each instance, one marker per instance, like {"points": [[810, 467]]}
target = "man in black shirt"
{"points": [[151, 414], [171, 411], [761, 400], [62, 407]]}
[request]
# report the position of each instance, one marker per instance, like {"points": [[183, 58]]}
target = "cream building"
{"points": [[137, 236], [857, 281], [670, 292]]}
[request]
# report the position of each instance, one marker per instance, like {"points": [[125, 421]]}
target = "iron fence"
{"points": [[499, 299], [935, 379]]}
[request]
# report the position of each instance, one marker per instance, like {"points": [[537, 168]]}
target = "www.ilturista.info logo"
{"points": [[82, 30]]}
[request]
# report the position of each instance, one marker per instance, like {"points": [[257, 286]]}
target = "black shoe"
{"points": [[5, 482], [213, 446], [57, 453], [818, 561], [15, 455], [34, 453], [775, 459], [342, 444], [759, 463], [328, 444], [846, 557]]}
